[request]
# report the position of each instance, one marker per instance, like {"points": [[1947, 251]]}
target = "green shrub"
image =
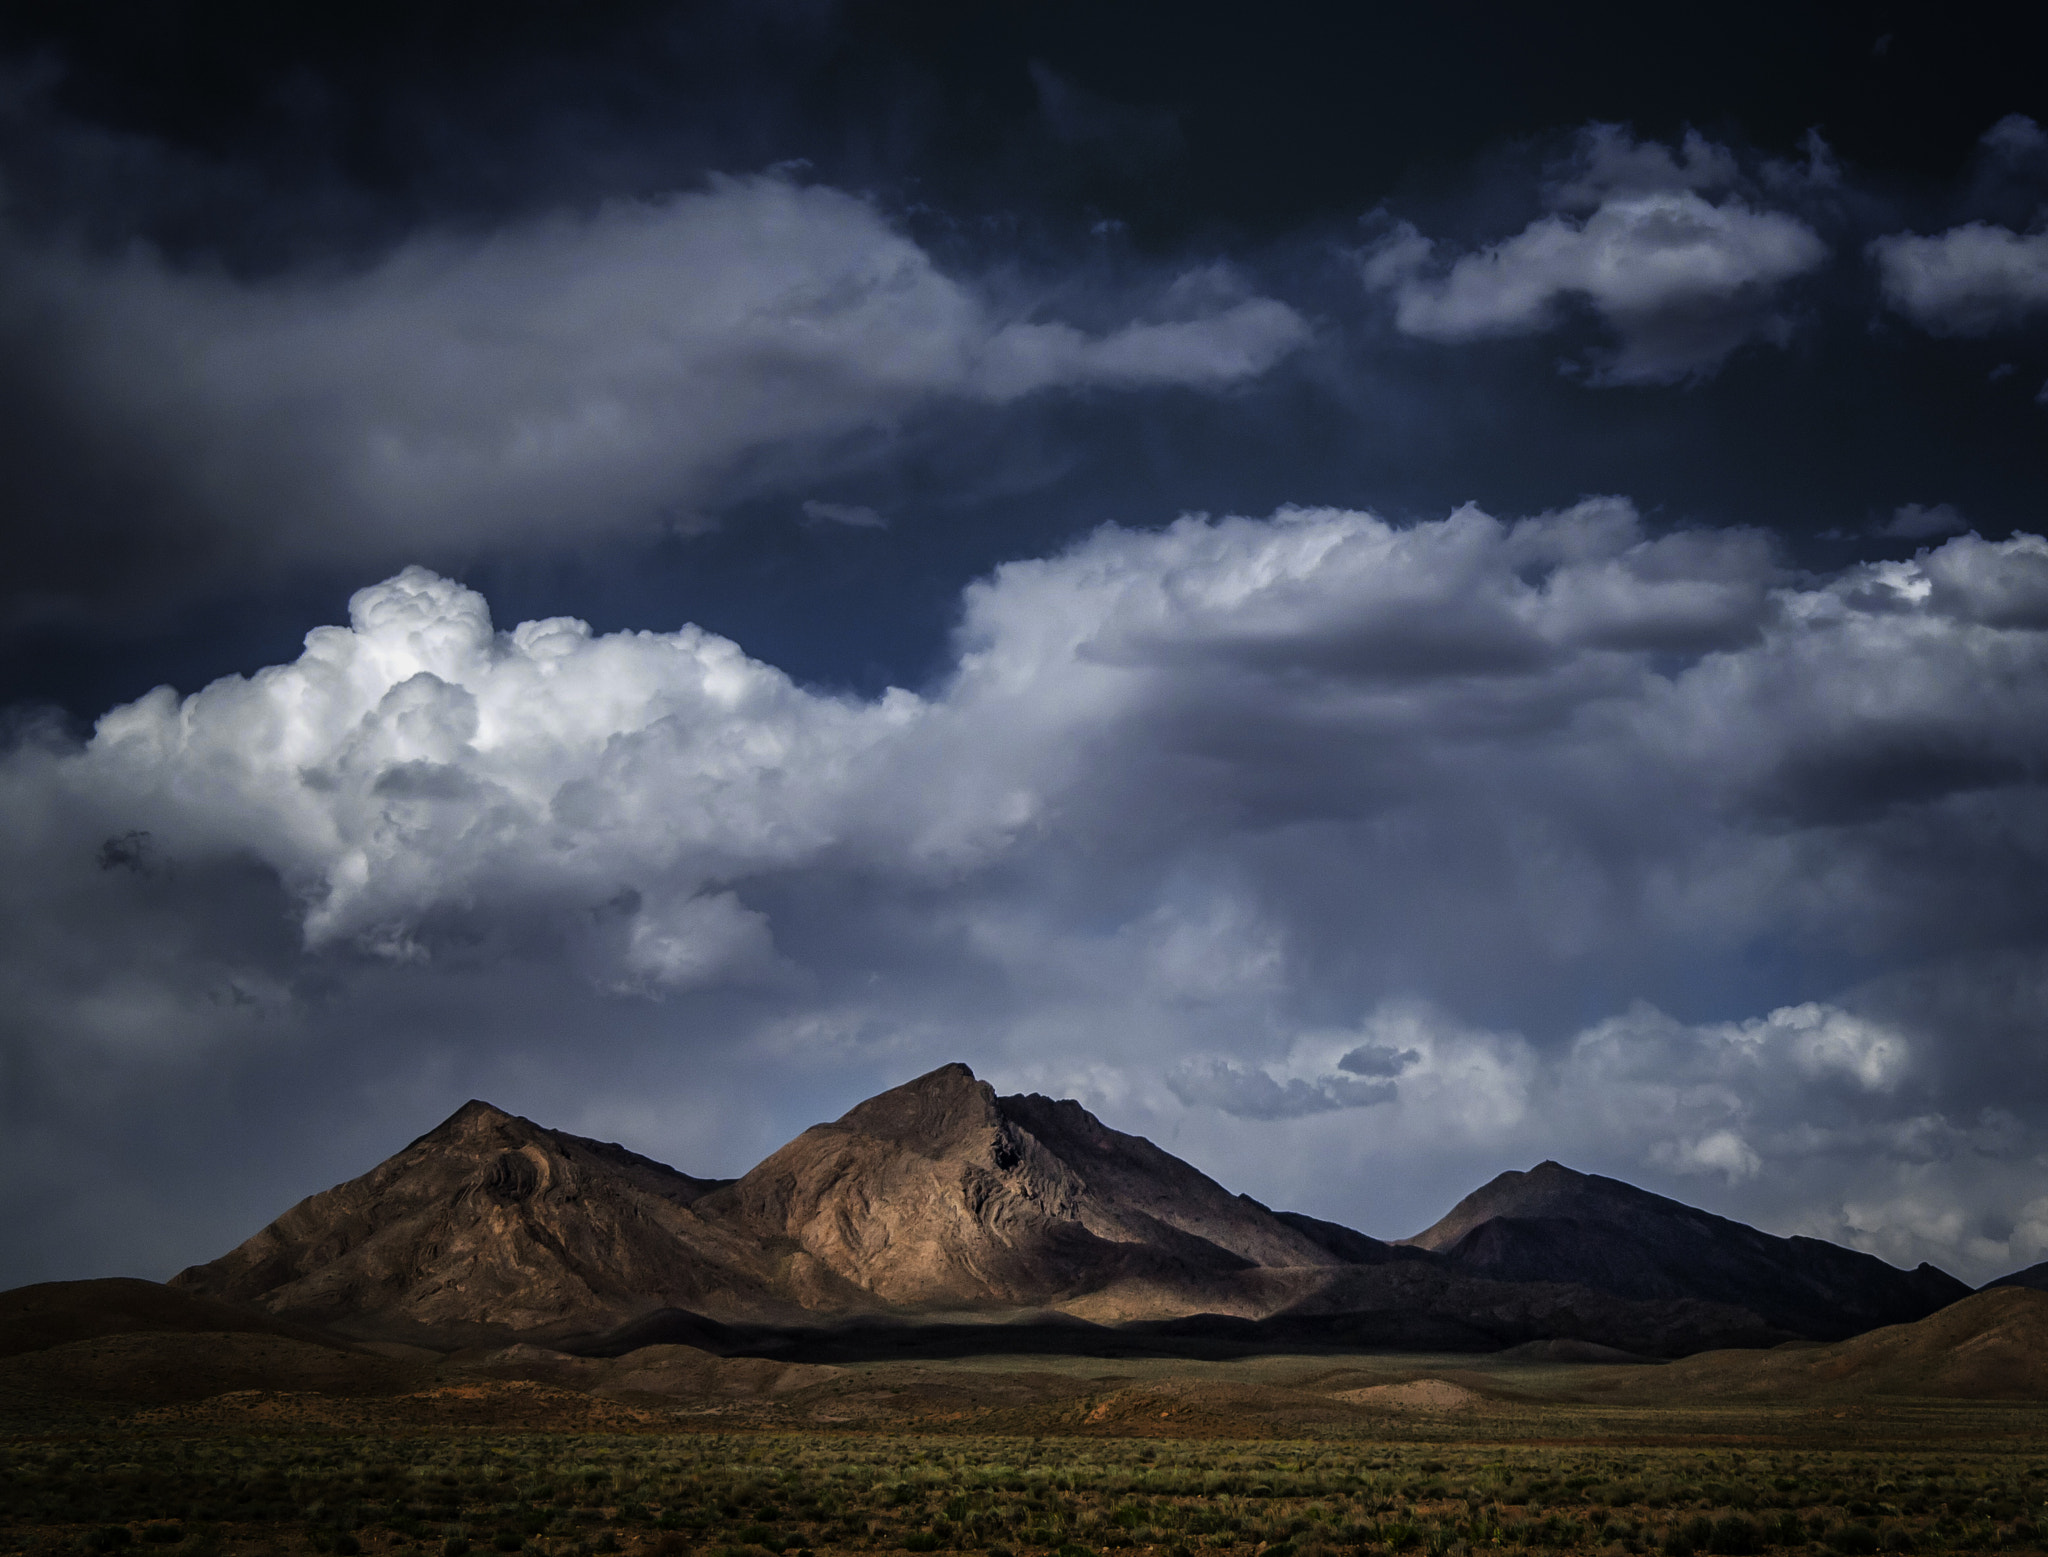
{"points": [[1855, 1540], [1692, 1536], [1735, 1536]]}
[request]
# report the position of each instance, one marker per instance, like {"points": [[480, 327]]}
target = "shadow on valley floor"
{"points": [[1975, 1369], [1197, 1337]]}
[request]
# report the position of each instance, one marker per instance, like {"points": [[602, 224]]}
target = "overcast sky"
{"points": [[1378, 597]]}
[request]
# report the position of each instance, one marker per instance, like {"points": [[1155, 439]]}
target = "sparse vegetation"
{"points": [[767, 1494]]}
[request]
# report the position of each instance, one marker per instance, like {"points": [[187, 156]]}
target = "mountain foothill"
{"points": [[941, 1219]]}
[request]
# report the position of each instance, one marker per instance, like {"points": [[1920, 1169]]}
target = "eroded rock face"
{"points": [[939, 1194]]}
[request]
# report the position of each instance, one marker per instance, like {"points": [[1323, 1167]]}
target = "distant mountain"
{"points": [[2035, 1276], [937, 1208], [1554, 1224]]}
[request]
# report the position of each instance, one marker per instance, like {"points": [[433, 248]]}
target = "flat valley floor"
{"points": [[1285, 1456]]}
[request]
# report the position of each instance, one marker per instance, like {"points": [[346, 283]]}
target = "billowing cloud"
{"points": [[1452, 844], [1679, 279], [567, 374]]}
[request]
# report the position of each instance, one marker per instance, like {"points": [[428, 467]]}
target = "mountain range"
{"points": [[941, 1211]]}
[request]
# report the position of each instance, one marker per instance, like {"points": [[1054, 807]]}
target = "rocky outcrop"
{"points": [[1552, 1224]]}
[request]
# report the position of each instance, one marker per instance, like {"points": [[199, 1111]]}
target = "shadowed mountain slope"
{"points": [[2034, 1276], [1554, 1224], [56, 1313]]}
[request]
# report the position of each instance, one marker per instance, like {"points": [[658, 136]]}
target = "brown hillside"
{"points": [[1993, 1346]]}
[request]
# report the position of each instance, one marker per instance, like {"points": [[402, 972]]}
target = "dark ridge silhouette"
{"points": [[1554, 1224], [2034, 1276]]}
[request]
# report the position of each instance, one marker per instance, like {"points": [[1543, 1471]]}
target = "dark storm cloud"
{"points": [[574, 374]]}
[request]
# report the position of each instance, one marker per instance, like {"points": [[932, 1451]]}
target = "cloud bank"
{"points": [[1439, 842]]}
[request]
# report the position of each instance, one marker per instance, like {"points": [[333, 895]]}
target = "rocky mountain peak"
{"points": [[939, 1113]]}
